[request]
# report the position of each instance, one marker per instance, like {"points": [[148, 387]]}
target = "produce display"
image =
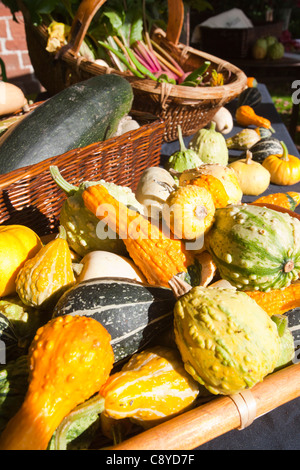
{"points": [[150, 301], [268, 47]]}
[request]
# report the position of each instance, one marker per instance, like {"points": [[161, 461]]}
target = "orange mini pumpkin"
{"points": [[284, 169]]}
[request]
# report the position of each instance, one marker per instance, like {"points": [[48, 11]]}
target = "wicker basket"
{"points": [[29, 196], [191, 108]]}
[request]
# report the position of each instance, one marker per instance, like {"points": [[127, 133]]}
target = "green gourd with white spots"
{"points": [[255, 248], [228, 343]]}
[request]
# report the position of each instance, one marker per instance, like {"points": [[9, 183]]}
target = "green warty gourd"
{"points": [[228, 343]]}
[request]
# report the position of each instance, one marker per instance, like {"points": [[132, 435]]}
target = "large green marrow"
{"points": [[80, 115]]}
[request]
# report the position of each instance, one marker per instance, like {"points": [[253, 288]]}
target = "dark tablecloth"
{"points": [[280, 428]]}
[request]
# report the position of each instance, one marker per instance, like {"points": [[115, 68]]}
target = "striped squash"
{"points": [[265, 147], [133, 313], [151, 387], [255, 248]]}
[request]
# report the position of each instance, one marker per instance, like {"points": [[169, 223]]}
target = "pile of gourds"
{"points": [[215, 275]]}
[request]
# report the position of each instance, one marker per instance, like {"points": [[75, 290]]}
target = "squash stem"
{"points": [[68, 188], [181, 141], [285, 155], [93, 405]]}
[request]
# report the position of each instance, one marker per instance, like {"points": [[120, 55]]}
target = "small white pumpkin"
{"points": [[99, 264], [154, 187], [223, 120]]}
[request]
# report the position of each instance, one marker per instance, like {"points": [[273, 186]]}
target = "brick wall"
{"points": [[14, 53]]}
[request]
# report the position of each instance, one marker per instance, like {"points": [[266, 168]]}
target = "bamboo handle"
{"points": [[206, 422], [81, 22], [175, 20]]}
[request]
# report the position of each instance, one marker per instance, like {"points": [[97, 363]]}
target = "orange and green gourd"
{"points": [[158, 256], [289, 200], [151, 387], [70, 359]]}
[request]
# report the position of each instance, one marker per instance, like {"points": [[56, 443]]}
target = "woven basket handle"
{"points": [[88, 8], [81, 22]]}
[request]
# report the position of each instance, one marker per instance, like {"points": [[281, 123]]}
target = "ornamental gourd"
{"points": [[255, 248], [133, 313], [154, 186], [284, 169], [246, 116], [265, 147], [83, 230], [184, 158], [44, 277], [289, 200], [210, 145], [157, 256], [224, 174], [70, 359], [253, 178], [18, 243], [189, 212], [151, 387], [227, 342]]}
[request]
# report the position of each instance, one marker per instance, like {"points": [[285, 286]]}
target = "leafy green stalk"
{"points": [[122, 58]]}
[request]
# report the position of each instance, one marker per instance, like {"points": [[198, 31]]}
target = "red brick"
{"points": [[16, 44], [4, 11], [17, 29], [12, 65], [3, 28], [26, 60]]}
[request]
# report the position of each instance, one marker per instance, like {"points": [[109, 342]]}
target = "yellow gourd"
{"points": [[189, 212], [150, 388], [45, 276], [18, 243], [224, 174], [70, 359], [284, 169], [253, 178]]}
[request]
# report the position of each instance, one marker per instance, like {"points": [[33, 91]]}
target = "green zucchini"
{"points": [[133, 313], [80, 115]]}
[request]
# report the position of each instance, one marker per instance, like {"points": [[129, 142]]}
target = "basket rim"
{"points": [[173, 91], [96, 148]]}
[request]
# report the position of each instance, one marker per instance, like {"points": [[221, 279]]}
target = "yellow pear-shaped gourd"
{"points": [[45, 276]]}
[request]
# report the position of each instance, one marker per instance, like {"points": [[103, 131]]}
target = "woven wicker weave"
{"points": [[191, 108], [30, 197]]}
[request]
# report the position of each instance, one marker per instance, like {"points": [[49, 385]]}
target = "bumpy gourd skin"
{"points": [[44, 277], [70, 359], [227, 342], [255, 248]]}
